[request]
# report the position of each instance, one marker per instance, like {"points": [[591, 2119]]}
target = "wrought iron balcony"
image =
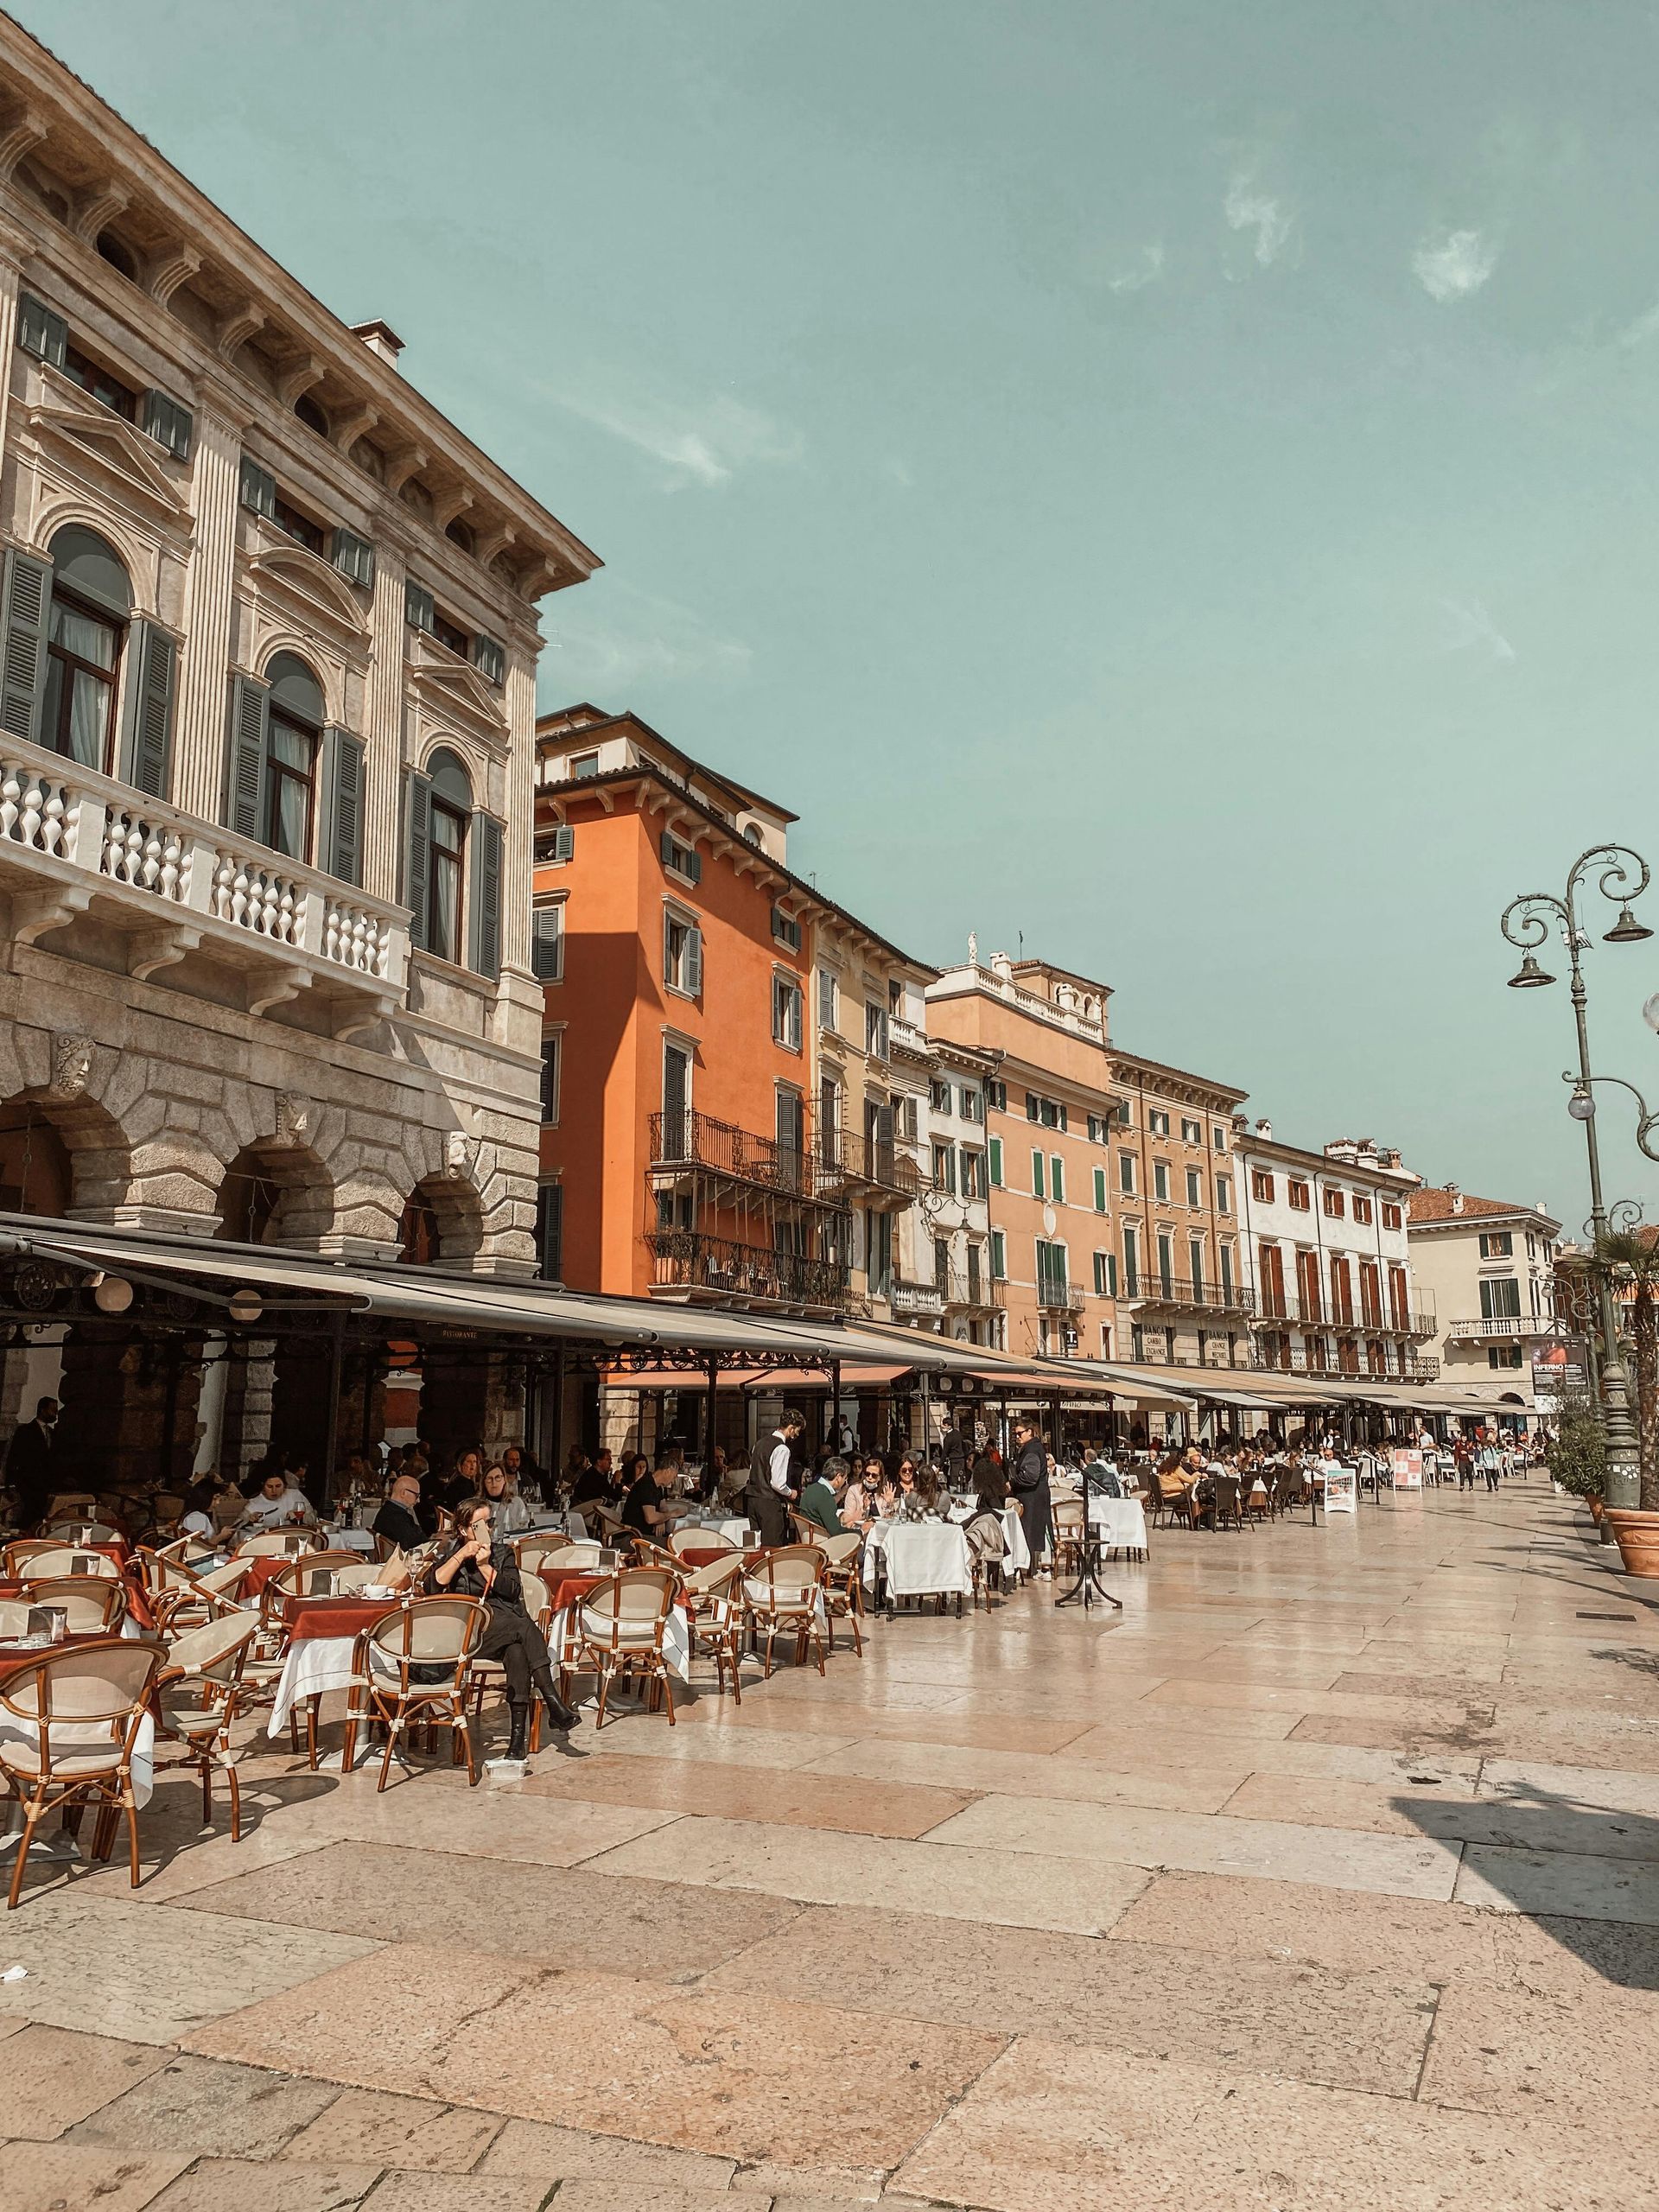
{"points": [[686, 1259], [1271, 1307], [1060, 1297], [1408, 1368], [684, 1140], [871, 1170], [1176, 1293], [980, 1294], [72, 841]]}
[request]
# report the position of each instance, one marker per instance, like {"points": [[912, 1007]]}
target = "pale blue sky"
{"points": [[1175, 481]]}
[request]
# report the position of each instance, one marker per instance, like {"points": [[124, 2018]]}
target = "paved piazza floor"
{"points": [[1327, 1876]]}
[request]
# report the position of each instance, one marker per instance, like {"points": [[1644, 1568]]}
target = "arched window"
{"points": [[452, 806], [92, 605], [293, 733], [311, 415], [459, 533]]}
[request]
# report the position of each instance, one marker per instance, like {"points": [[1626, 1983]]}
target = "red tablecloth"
{"points": [[13, 1662], [347, 1616], [569, 1585]]}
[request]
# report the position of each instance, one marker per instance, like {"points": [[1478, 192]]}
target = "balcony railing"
{"points": [[1060, 1297], [1178, 1293], [1271, 1305], [176, 884], [882, 1166], [1499, 1327], [686, 1259], [680, 1140], [977, 1293], [1408, 1369], [913, 1297]]}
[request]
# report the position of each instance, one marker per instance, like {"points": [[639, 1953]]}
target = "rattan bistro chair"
{"points": [[72, 1721], [714, 1614], [92, 1605], [69, 1558], [278, 1543], [622, 1625], [843, 1590], [414, 1668], [1067, 1536], [783, 1589], [209, 1659]]}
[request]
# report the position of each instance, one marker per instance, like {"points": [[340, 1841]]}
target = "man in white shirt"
{"points": [[277, 1506], [771, 1488]]}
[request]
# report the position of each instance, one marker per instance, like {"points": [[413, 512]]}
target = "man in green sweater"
{"points": [[821, 1499]]}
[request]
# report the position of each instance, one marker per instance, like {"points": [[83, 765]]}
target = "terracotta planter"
{"points": [[1596, 1509], [1636, 1535]]}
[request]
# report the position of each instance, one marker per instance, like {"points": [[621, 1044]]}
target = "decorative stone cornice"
{"points": [[246, 322], [176, 264], [94, 209]]}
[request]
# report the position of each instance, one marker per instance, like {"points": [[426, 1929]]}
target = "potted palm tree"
{"points": [[1633, 1256], [1577, 1456]]}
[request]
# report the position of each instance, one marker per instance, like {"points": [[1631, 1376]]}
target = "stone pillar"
{"points": [[383, 727], [198, 750], [245, 1436], [14, 250]]}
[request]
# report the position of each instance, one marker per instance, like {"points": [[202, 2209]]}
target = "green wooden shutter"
{"points": [[23, 622], [1057, 1180], [994, 1152], [547, 943], [419, 611], [147, 733], [258, 488], [168, 422], [1037, 1190], [490, 659], [485, 842], [244, 759], [340, 845], [1100, 1190], [417, 857], [40, 332], [693, 970]]}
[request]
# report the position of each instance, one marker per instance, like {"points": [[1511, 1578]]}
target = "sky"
{"points": [[1171, 487]]}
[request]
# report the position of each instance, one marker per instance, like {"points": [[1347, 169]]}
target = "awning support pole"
{"points": [[331, 1438], [712, 1372]]}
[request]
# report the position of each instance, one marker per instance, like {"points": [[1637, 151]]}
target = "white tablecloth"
{"points": [[734, 1532], [315, 1665], [922, 1558], [1016, 1552], [1121, 1522]]}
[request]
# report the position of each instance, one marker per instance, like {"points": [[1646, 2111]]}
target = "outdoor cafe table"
{"points": [[922, 1559], [1121, 1522], [322, 1635], [567, 1590], [138, 1599]]}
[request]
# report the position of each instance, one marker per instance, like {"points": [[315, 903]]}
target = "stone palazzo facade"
{"points": [[268, 650]]}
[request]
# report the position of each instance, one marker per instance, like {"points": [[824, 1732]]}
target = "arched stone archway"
{"points": [[62, 1156], [442, 1222], [276, 1193]]}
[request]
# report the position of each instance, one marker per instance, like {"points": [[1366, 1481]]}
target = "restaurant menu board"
{"points": [[1408, 1467], [1341, 1490]]}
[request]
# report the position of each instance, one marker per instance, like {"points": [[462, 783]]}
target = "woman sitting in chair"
{"points": [[473, 1565]]}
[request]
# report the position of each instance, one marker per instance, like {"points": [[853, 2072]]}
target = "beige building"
{"points": [[1487, 1269], [266, 750]]}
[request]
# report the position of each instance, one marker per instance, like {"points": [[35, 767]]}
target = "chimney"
{"points": [[1264, 1130], [1455, 1196], [1003, 966], [380, 338]]}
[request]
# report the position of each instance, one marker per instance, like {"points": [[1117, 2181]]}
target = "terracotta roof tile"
{"points": [[1429, 1205]]}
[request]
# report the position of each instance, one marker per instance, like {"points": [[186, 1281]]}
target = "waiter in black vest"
{"points": [[772, 1490], [29, 1465]]}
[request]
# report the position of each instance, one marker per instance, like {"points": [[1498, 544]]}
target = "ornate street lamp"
{"points": [[1621, 876]]}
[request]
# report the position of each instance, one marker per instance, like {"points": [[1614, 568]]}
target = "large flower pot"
{"points": [[1596, 1508], [1636, 1535]]}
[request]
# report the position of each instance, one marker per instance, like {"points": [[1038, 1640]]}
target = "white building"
{"points": [[266, 756], [1330, 1258], [1490, 1268], [955, 1227]]}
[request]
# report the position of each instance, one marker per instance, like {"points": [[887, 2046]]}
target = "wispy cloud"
{"points": [[1645, 327], [706, 445], [1148, 269], [1469, 628], [622, 636], [1246, 208], [1451, 264]]}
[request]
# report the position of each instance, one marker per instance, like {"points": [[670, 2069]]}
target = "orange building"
{"points": [[1049, 1109], [724, 1115]]}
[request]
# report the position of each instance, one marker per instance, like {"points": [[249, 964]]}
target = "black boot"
{"points": [[562, 1716], [517, 1742]]}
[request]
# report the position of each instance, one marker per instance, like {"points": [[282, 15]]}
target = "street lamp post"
{"points": [[1621, 876]]}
